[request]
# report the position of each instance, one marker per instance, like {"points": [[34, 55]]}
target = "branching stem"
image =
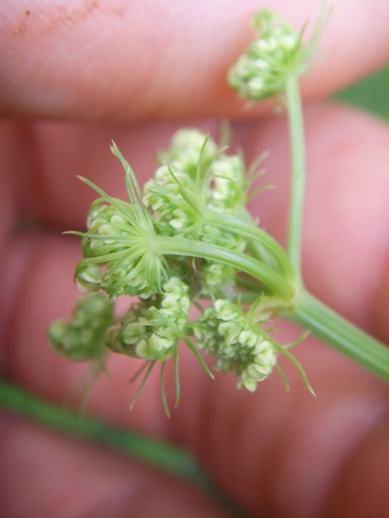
{"points": [[154, 453], [297, 146], [269, 277], [340, 334]]}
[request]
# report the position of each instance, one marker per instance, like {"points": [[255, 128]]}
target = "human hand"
{"points": [[278, 453]]}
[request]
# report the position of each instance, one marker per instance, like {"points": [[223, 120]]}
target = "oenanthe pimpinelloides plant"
{"points": [[188, 240]]}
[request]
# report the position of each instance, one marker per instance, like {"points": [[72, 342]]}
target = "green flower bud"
{"points": [[133, 332], [188, 147], [262, 71], [96, 208], [216, 274], [88, 278], [82, 338], [226, 310], [149, 331], [230, 184], [57, 332], [176, 200], [237, 342]]}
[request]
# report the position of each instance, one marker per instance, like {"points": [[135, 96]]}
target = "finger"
{"points": [[125, 61], [48, 475], [366, 489]]}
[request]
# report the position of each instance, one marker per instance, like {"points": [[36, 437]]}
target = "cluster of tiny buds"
{"points": [[151, 332], [277, 53], [83, 337], [163, 194], [237, 342], [230, 184], [189, 149]]}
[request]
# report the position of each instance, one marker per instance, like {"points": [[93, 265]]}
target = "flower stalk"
{"points": [[269, 278], [297, 145], [342, 335], [156, 454]]}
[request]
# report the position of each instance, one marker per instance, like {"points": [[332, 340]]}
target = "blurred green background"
{"points": [[371, 93]]}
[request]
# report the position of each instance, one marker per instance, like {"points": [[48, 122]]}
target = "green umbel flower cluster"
{"points": [[189, 150], [194, 178], [197, 178], [186, 239], [270, 60], [237, 342], [152, 332], [118, 240], [83, 337]]}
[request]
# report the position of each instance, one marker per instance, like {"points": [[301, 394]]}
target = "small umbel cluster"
{"points": [[83, 337], [239, 344], [278, 53], [152, 331], [186, 240]]}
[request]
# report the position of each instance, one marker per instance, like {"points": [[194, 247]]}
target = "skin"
{"points": [[69, 76]]}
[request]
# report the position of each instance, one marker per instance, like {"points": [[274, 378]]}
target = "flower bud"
{"points": [[187, 147], [88, 278], [82, 338], [278, 52]]}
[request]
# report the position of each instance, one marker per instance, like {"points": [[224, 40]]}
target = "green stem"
{"points": [[270, 278], [340, 334], [156, 454], [297, 143], [253, 232]]}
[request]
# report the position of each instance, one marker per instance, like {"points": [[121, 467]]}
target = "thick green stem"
{"points": [[252, 231], [270, 278], [157, 454], [340, 334], [297, 144]]}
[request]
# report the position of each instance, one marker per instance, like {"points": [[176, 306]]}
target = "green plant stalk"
{"points": [[297, 146], [305, 309], [257, 235], [340, 334], [156, 454], [269, 278]]}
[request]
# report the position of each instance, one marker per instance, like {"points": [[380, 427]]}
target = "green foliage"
{"points": [[370, 93]]}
